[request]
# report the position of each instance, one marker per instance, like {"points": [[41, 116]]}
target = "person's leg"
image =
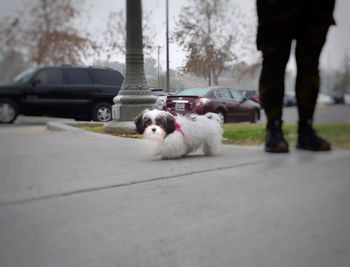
{"points": [[307, 53], [308, 49], [271, 88], [276, 20], [271, 83]]}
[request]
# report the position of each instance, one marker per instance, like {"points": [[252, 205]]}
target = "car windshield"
{"points": [[194, 92], [24, 76]]}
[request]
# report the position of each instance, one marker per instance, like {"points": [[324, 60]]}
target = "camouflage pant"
{"points": [[281, 22]]}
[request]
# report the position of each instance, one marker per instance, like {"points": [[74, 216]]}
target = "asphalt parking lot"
{"points": [[324, 113], [331, 113]]}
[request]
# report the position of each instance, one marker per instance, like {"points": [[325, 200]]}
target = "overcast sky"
{"points": [[338, 42]]}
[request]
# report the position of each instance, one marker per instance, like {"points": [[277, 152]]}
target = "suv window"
{"points": [[79, 76], [49, 76], [108, 77]]}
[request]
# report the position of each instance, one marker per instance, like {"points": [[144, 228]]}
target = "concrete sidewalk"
{"points": [[74, 198]]}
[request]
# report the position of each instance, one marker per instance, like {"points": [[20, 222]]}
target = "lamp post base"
{"points": [[120, 127]]}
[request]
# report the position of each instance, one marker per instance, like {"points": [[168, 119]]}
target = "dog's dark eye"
{"points": [[147, 122], [159, 121]]}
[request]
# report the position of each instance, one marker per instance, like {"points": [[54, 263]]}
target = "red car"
{"points": [[227, 102]]}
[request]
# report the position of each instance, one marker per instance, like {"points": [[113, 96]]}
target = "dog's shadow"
{"points": [[183, 158]]}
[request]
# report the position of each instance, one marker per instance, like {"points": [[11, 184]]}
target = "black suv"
{"points": [[83, 93]]}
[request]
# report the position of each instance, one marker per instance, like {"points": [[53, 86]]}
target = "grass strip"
{"points": [[254, 134]]}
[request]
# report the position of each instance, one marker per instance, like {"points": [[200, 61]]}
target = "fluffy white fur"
{"points": [[177, 136]]}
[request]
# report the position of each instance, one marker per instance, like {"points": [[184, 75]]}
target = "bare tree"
{"points": [[47, 35], [11, 64], [209, 31], [114, 37]]}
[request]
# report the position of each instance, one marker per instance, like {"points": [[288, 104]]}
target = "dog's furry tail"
{"points": [[214, 116]]}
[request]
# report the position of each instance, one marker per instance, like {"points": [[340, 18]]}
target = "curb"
{"points": [[61, 126], [110, 128]]}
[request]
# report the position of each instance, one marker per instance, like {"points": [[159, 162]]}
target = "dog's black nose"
{"points": [[154, 129]]}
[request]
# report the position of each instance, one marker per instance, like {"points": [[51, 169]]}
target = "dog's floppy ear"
{"points": [[140, 128], [170, 123]]}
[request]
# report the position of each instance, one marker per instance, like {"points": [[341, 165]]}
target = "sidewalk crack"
{"points": [[132, 183]]}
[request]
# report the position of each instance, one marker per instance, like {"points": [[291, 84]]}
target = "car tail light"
{"points": [[201, 102], [255, 98]]}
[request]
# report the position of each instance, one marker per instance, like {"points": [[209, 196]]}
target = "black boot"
{"points": [[309, 140], [274, 140]]}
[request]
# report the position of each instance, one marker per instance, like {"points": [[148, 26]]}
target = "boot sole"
{"points": [[314, 149], [280, 148]]}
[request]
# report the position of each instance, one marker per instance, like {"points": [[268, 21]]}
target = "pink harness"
{"points": [[178, 128]]}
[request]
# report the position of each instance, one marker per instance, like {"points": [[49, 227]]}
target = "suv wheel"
{"points": [[8, 111], [102, 112]]}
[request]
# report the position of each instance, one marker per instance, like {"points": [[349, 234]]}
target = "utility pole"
{"points": [[167, 47], [328, 73], [210, 54], [158, 66], [346, 85]]}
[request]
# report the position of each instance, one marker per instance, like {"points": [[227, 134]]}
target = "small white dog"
{"points": [[177, 136]]}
